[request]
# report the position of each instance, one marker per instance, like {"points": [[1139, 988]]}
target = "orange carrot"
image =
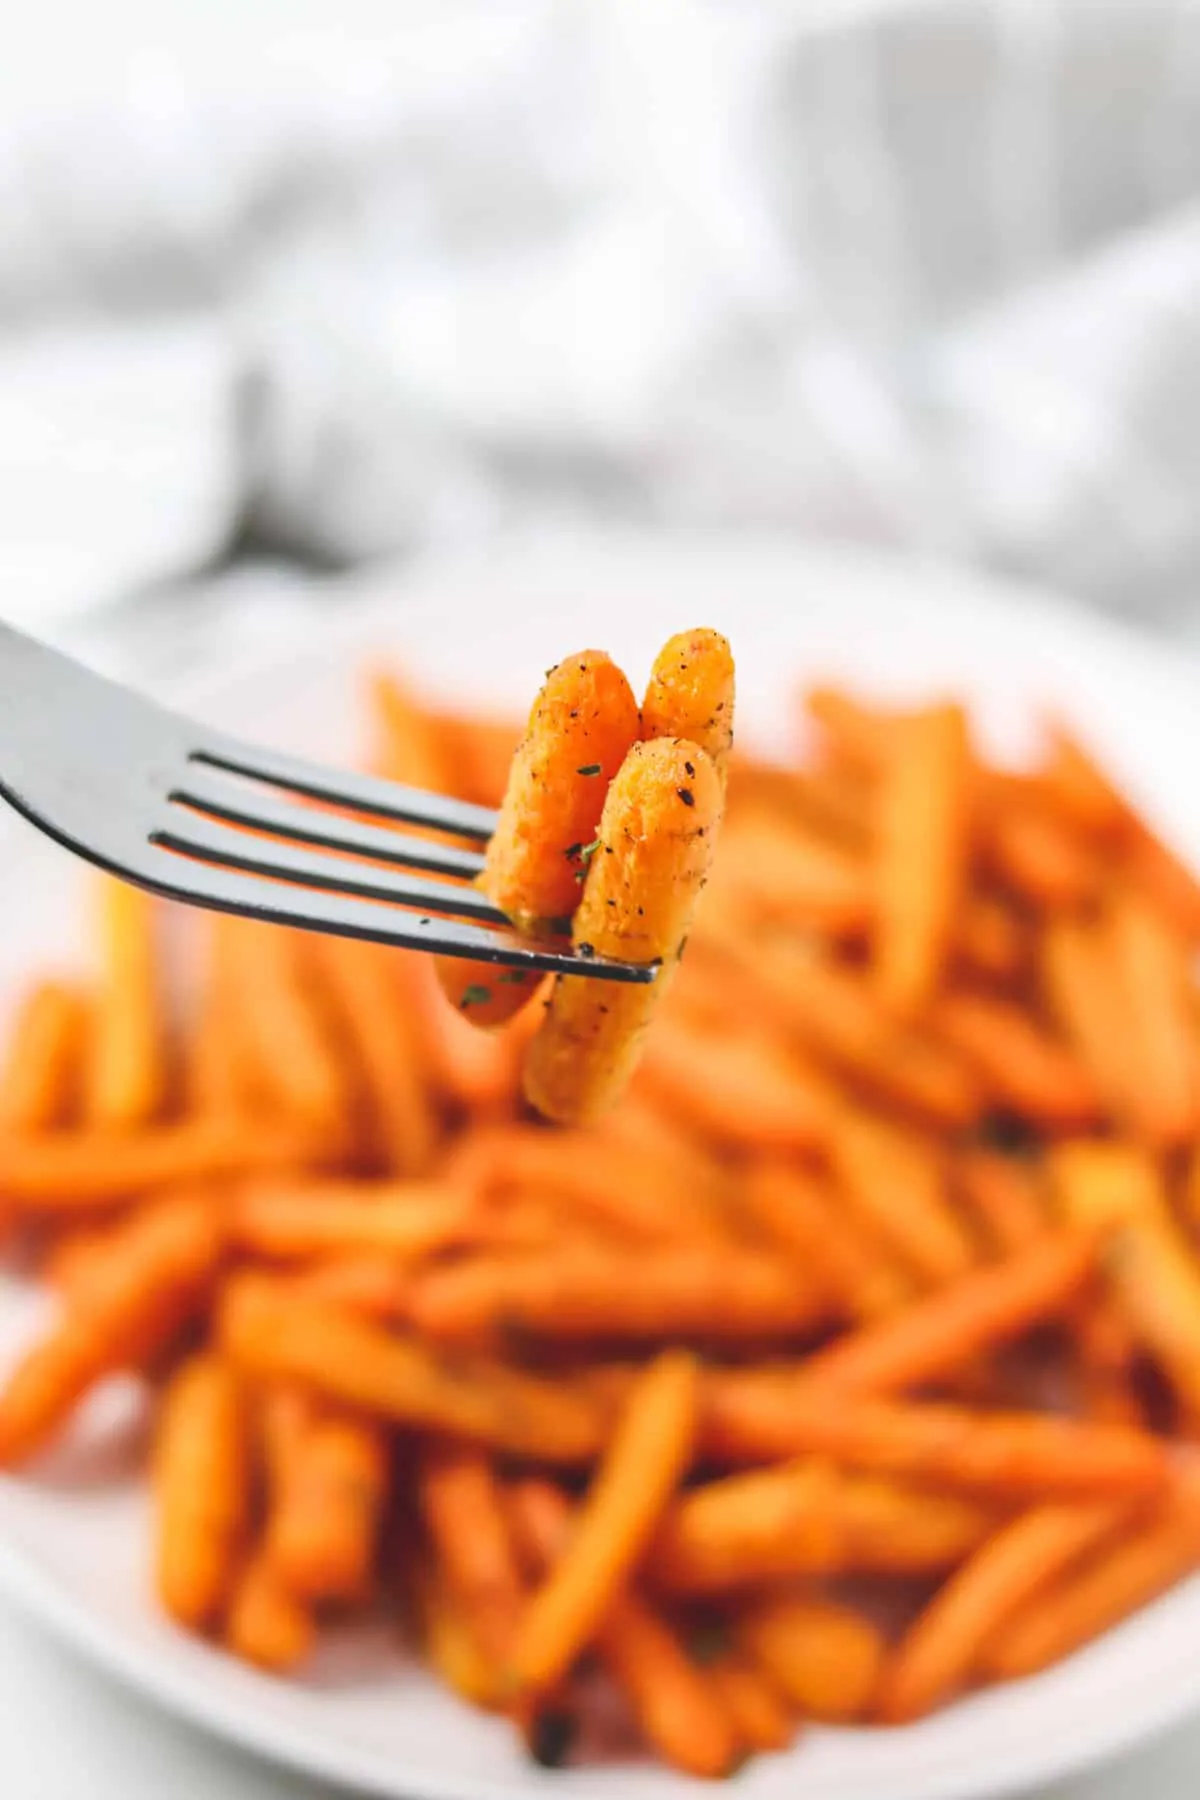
{"points": [[351, 1360], [640, 1468], [857, 736], [825, 1657], [1152, 969], [1116, 1580], [266, 1624], [446, 1638], [762, 1418], [940, 1651], [214, 1084], [485, 994], [143, 1297], [1152, 1268], [923, 825], [580, 1291], [737, 1088], [582, 723], [403, 1220], [464, 1512], [380, 1037], [45, 1058], [801, 1213], [805, 1519], [410, 746], [1034, 854], [1006, 1197], [991, 942], [895, 1182], [1079, 788], [81, 1171], [203, 1490], [834, 1016], [328, 1473], [126, 1076], [678, 1707], [272, 970], [786, 873], [946, 1329], [646, 1191], [754, 1702], [691, 694], [1024, 1068], [655, 842], [1086, 996]]}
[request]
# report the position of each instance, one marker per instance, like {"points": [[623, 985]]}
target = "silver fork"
{"points": [[164, 802]]}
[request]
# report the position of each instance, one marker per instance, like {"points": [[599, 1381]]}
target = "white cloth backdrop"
{"points": [[357, 277]]}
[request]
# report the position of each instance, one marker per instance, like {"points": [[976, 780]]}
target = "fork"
{"points": [[165, 803]]}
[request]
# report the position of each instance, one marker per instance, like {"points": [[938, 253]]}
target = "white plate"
{"points": [[73, 1539]]}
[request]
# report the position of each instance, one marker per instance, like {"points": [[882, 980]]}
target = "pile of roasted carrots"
{"points": [[850, 1361]]}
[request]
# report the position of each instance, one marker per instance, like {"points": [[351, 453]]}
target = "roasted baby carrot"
{"points": [[808, 1519], [126, 1072], [640, 1468], [690, 694], [203, 1488], [1023, 1068], [738, 1087], [1152, 964], [855, 735], [464, 1512], [1152, 1268], [939, 1652], [895, 1182], [1035, 855], [923, 823], [45, 1059], [754, 1701], [825, 1657], [129, 1309], [680, 1709], [579, 1291], [1116, 1580], [804, 1215], [1007, 1197], [72, 1173], [944, 1330], [329, 1480], [265, 1623], [380, 1035], [581, 725], [349, 1359], [836, 1017], [302, 1220], [653, 849], [1085, 994], [278, 1004], [758, 1418]]}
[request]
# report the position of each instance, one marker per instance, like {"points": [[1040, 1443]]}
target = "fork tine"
{"points": [[193, 835], [362, 793], [228, 890], [211, 791]]}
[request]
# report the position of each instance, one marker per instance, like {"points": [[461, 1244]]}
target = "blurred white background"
{"points": [[335, 281]]}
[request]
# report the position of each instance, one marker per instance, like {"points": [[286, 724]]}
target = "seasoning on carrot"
{"points": [[652, 854]]}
